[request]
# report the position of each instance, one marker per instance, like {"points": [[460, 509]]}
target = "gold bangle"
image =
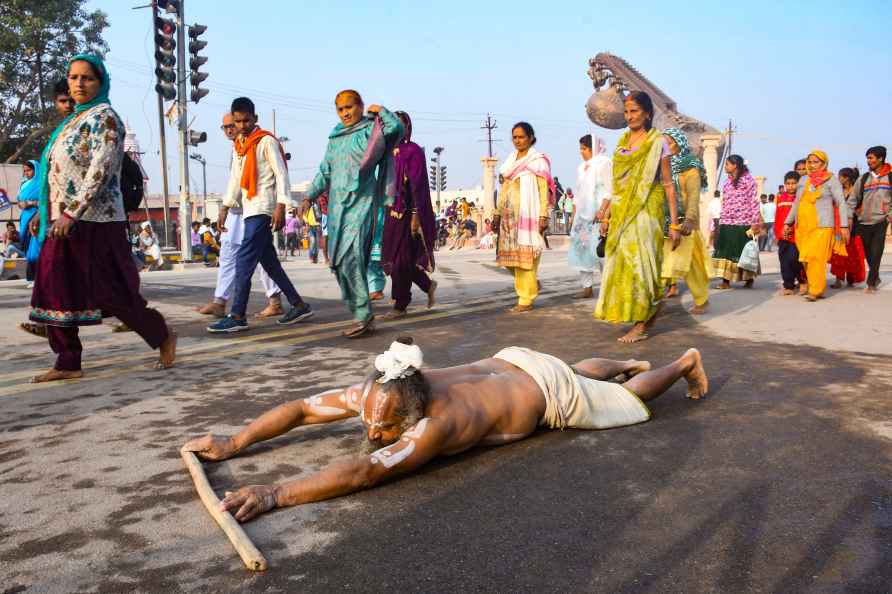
{"points": [[675, 227]]}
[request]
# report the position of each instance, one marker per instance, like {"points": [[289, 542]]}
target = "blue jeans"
{"points": [[314, 234], [14, 249], [207, 250], [257, 248]]}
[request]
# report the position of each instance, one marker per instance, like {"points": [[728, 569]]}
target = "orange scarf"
{"points": [[247, 148]]}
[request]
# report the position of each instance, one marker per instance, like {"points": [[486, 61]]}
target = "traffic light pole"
{"points": [[185, 208], [164, 192]]}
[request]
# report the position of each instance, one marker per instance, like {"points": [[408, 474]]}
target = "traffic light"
{"points": [[196, 138], [443, 178], [433, 178], [195, 61], [165, 58]]}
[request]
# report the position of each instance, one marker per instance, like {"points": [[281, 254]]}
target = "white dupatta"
{"points": [[534, 164]]}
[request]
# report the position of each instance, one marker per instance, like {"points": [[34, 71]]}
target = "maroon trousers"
{"points": [[88, 276], [405, 271]]}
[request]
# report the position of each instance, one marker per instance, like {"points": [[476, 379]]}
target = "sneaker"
{"points": [[228, 324], [296, 314]]}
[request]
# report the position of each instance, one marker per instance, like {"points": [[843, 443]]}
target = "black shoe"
{"points": [[296, 314]]}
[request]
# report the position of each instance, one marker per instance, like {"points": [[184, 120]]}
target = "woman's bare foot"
{"points": [[218, 310], [636, 334], [168, 351], [722, 286], [671, 291], [803, 289], [698, 383], [54, 375], [520, 309], [431, 299], [698, 310], [585, 293]]}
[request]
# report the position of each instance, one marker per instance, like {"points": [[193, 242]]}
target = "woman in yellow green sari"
{"points": [[817, 235], [642, 191]]}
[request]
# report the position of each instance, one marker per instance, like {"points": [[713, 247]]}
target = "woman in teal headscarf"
{"points": [[27, 202], [358, 173], [689, 261], [85, 271]]}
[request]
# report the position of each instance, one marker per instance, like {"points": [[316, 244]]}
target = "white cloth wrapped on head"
{"points": [[399, 361]]}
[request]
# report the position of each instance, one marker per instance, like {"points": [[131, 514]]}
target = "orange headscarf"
{"points": [[821, 175], [247, 148]]}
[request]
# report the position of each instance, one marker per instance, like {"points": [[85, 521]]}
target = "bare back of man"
{"points": [[488, 402]]}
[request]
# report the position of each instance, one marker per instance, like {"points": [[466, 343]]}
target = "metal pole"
{"points": [[163, 148], [437, 177], [185, 210]]}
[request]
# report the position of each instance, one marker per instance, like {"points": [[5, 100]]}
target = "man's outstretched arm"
{"points": [[333, 405], [415, 447]]}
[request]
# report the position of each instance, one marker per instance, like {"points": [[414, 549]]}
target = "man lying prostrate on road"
{"points": [[410, 417]]}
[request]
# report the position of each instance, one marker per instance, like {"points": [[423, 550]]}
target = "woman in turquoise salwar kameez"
{"points": [[357, 172]]}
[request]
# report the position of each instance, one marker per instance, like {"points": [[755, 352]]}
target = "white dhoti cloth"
{"points": [[231, 242], [574, 401]]}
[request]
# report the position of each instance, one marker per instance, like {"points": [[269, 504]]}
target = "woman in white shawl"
{"points": [[148, 244], [594, 183], [522, 213]]}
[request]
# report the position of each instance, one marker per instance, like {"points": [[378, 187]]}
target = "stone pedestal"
{"points": [[709, 143], [488, 202], [760, 185], [212, 207]]}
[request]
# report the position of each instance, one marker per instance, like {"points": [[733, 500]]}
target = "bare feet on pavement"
{"points": [[55, 375], [168, 351], [698, 383], [636, 334]]}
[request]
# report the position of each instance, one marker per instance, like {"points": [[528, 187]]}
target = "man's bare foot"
{"points": [[54, 375], [698, 310], [671, 291], [698, 383], [168, 351], [218, 310], [272, 310], [431, 299], [585, 293], [636, 334]]}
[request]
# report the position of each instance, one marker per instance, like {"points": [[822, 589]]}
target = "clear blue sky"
{"points": [[792, 75]]}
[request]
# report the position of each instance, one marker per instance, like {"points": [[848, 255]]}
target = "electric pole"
{"points": [[489, 125]]}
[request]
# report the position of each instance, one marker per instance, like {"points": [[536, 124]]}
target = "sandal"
{"points": [[360, 329]]}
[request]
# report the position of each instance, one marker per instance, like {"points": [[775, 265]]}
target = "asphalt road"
{"points": [[779, 481]]}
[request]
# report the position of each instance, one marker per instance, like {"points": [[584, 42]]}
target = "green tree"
{"points": [[36, 41]]}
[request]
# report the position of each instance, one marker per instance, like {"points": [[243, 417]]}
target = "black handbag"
{"points": [[602, 241]]}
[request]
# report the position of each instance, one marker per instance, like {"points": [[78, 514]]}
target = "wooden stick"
{"points": [[253, 558]]}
